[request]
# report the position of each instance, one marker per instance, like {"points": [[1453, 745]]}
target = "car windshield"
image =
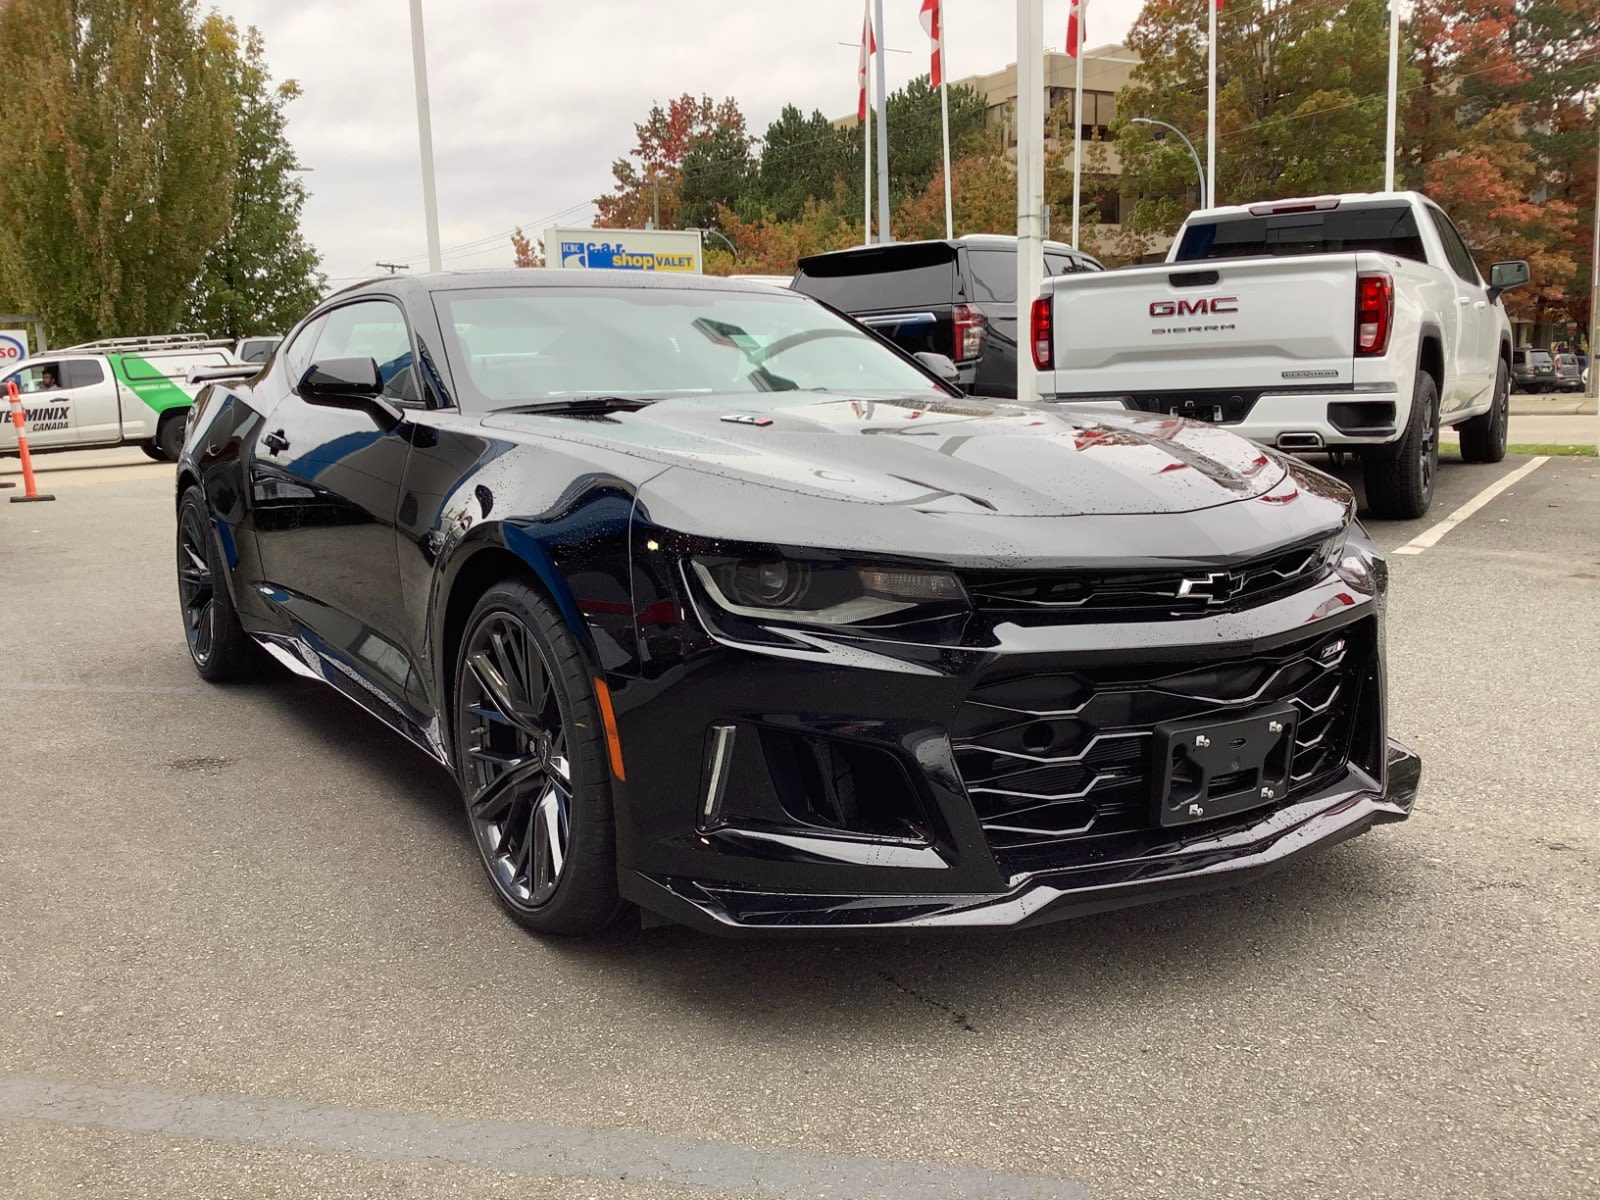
{"points": [[517, 346]]}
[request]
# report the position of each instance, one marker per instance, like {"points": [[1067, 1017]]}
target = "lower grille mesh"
{"points": [[1054, 758]]}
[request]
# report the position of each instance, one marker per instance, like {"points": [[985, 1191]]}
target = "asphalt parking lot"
{"points": [[247, 951]]}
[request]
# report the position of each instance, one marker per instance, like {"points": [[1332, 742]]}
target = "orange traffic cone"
{"points": [[19, 418]]}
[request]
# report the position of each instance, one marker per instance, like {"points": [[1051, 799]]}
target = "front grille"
{"points": [[1088, 596], [1055, 764]]}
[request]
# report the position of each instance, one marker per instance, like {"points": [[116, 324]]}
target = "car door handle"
{"points": [[1480, 304], [1463, 300], [275, 442]]}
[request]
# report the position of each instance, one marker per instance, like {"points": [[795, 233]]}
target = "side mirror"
{"points": [[940, 365], [1503, 276], [351, 383]]}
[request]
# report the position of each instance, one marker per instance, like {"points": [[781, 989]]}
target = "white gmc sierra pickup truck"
{"points": [[1356, 323]]}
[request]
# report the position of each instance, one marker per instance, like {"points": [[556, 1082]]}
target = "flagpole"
{"points": [[1394, 92], [866, 178], [1211, 106], [1077, 122], [885, 233], [944, 109], [1030, 177]]}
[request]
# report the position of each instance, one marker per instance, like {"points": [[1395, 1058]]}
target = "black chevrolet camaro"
{"points": [[721, 606]]}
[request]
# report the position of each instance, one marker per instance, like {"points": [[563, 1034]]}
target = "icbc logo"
{"points": [[1196, 308]]}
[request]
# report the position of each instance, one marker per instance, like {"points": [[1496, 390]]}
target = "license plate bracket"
{"points": [[1210, 768]]}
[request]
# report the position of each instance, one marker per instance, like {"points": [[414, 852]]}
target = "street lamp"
{"points": [[1199, 170]]}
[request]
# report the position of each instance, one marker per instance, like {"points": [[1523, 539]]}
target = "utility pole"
{"points": [[1594, 283], [430, 202], [393, 267], [1394, 94]]}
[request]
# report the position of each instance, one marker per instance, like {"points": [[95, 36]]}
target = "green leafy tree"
{"points": [[120, 175], [916, 147], [261, 276], [1301, 93], [713, 174], [802, 158]]}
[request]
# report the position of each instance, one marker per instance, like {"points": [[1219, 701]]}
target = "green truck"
{"points": [[120, 392]]}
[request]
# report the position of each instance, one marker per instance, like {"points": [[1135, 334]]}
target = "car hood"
{"points": [[934, 453]]}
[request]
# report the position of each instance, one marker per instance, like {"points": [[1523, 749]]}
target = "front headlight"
{"points": [[828, 593]]}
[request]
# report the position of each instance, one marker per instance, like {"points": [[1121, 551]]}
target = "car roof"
{"points": [[981, 241], [415, 286]]}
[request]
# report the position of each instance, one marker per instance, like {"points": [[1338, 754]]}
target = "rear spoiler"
{"points": [[231, 371]]}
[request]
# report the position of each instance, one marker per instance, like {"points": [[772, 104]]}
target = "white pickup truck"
{"points": [[1356, 323], [125, 391]]}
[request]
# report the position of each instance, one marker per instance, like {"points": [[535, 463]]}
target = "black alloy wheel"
{"points": [[218, 644], [196, 586], [532, 763]]}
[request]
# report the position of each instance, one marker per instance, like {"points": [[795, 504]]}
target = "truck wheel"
{"points": [[1399, 478], [169, 435], [1483, 439], [151, 450]]}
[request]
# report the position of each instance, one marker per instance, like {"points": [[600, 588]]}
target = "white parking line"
{"points": [[1430, 537]]}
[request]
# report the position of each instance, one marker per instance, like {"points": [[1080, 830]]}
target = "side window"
{"points": [[82, 372], [994, 276], [39, 377], [374, 329], [298, 356], [1059, 264], [1454, 248]]}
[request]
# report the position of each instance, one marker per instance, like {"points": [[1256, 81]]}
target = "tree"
{"points": [[529, 252], [772, 247], [648, 180], [1300, 102], [261, 276], [916, 147], [1501, 136], [713, 175], [802, 158], [120, 173]]}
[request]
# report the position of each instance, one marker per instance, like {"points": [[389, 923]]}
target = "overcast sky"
{"points": [[533, 100]]}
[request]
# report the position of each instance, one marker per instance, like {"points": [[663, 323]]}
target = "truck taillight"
{"points": [[1374, 313], [971, 332], [1042, 326]]}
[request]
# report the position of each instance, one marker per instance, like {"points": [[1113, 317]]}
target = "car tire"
{"points": [[1400, 478], [1483, 439], [535, 770], [220, 649], [151, 450], [169, 436]]}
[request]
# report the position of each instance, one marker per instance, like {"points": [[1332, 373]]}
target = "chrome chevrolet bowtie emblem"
{"points": [[1214, 588]]}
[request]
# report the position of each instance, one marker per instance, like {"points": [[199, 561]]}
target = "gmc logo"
{"points": [[1186, 308]]}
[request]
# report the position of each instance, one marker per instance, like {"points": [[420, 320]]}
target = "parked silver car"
{"points": [[1569, 373]]}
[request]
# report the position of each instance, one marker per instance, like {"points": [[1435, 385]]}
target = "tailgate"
{"points": [[1253, 323]]}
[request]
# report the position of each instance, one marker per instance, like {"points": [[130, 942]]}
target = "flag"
{"points": [[869, 47], [1075, 29], [933, 22]]}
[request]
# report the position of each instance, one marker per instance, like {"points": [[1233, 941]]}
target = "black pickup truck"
{"points": [[957, 298]]}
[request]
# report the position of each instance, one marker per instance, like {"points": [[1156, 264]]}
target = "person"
{"points": [[50, 380]]}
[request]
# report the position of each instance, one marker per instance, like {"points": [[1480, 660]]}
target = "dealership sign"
{"points": [[13, 347], [657, 250]]}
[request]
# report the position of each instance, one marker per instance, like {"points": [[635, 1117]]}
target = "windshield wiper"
{"points": [[585, 404]]}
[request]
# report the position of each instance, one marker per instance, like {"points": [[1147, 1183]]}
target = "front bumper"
{"points": [[768, 785], [1208, 863]]}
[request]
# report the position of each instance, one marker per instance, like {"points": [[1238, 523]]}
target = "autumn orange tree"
{"points": [[1500, 135], [681, 147]]}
